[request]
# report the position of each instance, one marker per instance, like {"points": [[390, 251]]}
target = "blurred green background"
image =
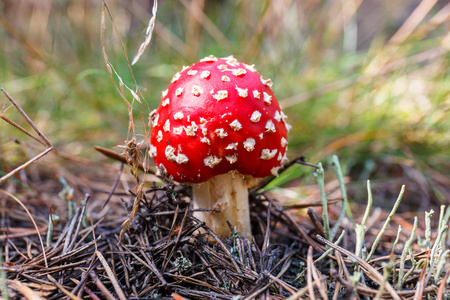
{"points": [[366, 80]]}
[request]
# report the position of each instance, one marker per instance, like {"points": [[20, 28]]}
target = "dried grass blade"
{"points": [[22, 112], [104, 6], [36, 129], [12, 123], [166, 35], [110, 68], [32, 220], [148, 33], [111, 276]]}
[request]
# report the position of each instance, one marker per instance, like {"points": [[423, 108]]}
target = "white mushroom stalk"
{"points": [[227, 193]]}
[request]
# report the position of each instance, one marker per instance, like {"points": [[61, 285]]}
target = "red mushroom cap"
{"points": [[218, 115]]}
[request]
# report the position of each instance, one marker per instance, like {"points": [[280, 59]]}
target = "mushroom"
{"points": [[220, 128]]}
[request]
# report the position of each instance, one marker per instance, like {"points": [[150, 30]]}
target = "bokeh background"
{"points": [[366, 80]]}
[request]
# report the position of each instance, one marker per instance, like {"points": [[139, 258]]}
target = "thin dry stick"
{"points": [[111, 276], [32, 220], [301, 231], [36, 129]]}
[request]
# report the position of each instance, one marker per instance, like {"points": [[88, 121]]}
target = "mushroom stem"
{"points": [[229, 194]]}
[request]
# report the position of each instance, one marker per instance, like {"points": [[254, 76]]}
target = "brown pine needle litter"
{"points": [[83, 230], [160, 256]]}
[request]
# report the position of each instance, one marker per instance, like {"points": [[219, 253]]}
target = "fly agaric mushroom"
{"points": [[220, 126]]}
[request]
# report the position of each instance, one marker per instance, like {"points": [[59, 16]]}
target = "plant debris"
{"points": [[161, 255]]}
